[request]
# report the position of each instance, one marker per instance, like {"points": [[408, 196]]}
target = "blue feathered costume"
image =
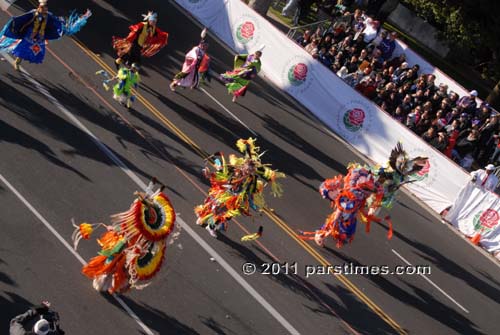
{"points": [[25, 36]]}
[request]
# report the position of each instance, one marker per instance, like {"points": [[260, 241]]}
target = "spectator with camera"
{"points": [[38, 320]]}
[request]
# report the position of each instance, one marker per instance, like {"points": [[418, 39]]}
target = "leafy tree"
{"points": [[471, 25]]}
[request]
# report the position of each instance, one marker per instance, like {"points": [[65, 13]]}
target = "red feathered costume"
{"points": [[145, 39]]}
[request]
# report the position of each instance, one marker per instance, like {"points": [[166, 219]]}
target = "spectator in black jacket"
{"points": [[440, 142], [464, 148], [305, 39], [39, 320]]}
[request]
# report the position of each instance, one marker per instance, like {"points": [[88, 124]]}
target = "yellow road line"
{"points": [[146, 103], [278, 221], [340, 277]]}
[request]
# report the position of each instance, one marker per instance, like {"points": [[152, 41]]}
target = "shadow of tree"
{"points": [[125, 133], [357, 315], [414, 212], [216, 327], [11, 305], [153, 317], [420, 300], [452, 268], [59, 129], [232, 130], [23, 106], [5, 278]]}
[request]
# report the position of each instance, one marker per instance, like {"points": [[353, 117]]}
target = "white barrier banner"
{"points": [[356, 119], [476, 211]]}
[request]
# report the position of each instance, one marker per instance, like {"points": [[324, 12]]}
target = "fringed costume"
{"points": [[348, 196], [360, 195], [189, 76], [144, 40], [25, 36], [204, 69], [396, 174], [246, 67], [133, 246], [236, 186], [128, 78]]}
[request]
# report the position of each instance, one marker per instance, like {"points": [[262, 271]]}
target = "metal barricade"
{"points": [[292, 33]]}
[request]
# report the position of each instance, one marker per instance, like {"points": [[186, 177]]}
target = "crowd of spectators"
{"points": [[361, 53]]}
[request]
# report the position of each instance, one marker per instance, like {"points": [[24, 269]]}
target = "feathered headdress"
{"points": [[203, 35], [150, 16], [400, 162], [248, 147]]}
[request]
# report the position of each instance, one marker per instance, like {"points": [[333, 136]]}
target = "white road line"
{"points": [[54, 101], [220, 104], [432, 283], [227, 110], [70, 249], [261, 300], [42, 219]]}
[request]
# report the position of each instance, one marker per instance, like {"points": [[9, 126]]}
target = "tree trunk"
{"points": [[260, 6], [494, 97]]}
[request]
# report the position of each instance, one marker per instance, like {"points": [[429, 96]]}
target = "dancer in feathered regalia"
{"points": [[236, 186], [360, 195], [189, 75], [133, 246], [128, 78], [396, 174], [145, 39], [348, 197], [25, 36], [246, 67]]}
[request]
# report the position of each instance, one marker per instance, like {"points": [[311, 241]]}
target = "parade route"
{"points": [[63, 172]]}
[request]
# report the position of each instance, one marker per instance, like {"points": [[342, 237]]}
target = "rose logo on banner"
{"points": [[423, 173], [246, 31], [485, 221], [353, 119], [427, 175], [297, 74]]}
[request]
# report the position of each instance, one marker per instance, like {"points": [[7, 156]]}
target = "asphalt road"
{"points": [[64, 174]]}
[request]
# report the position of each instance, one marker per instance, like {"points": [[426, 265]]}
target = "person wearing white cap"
{"points": [[38, 320], [485, 178], [467, 103], [42, 327]]}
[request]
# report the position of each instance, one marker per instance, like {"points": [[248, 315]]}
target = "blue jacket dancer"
{"points": [[25, 36]]}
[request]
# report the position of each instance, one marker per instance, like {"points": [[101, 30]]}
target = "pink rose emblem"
{"points": [[489, 218], [300, 71], [425, 169], [356, 117], [247, 30]]}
